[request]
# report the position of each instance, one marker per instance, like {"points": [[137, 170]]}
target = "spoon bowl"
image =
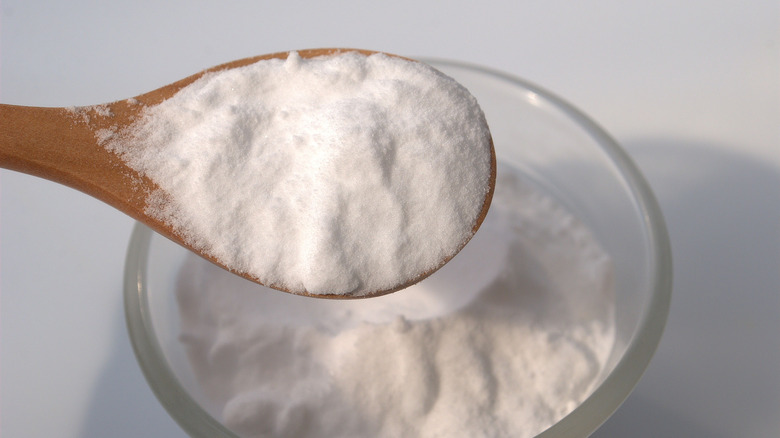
{"points": [[63, 145]]}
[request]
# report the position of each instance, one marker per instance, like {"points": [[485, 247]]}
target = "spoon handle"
{"points": [[59, 144]]}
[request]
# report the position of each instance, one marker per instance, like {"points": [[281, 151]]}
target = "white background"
{"points": [[690, 88]]}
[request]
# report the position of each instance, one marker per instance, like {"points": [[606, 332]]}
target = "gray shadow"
{"points": [[122, 405], [715, 372], [641, 418]]}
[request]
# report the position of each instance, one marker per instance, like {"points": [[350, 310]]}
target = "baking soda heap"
{"points": [[342, 174]]}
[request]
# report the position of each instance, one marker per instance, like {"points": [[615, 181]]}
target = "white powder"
{"points": [[503, 341], [343, 174]]}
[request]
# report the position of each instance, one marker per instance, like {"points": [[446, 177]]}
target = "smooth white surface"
{"points": [[690, 89]]}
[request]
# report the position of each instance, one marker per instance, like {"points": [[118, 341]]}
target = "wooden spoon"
{"points": [[61, 145]]}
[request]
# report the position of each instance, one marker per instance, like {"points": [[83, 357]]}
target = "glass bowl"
{"points": [[552, 144]]}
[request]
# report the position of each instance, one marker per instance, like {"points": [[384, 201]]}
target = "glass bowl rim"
{"points": [[586, 418]]}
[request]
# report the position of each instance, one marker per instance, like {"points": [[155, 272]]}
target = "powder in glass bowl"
{"points": [[526, 346], [343, 174]]}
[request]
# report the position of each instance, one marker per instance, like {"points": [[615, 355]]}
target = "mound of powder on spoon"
{"points": [[343, 174]]}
